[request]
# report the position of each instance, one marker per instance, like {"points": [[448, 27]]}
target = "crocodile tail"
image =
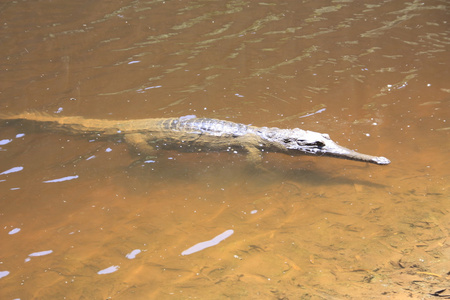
{"points": [[40, 117], [69, 124], [27, 115]]}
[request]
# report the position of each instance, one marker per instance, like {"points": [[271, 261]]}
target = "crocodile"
{"points": [[189, 133]]}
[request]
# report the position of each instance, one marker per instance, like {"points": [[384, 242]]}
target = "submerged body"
{"points": [[190, 133]]}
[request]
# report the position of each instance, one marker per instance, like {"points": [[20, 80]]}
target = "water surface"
{"points": [[81, 218]]}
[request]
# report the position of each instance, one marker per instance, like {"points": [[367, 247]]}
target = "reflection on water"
{"points": [[82, 219]]}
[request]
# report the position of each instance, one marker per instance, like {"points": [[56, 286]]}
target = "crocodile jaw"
{"points": [[334, 150], [318, 144]]}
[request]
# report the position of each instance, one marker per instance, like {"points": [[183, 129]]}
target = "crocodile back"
{"points": [[204, 126]]}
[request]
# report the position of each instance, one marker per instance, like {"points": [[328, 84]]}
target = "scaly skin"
{"points": [[190, 133]]}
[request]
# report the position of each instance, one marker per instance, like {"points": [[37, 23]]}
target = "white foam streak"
{"points": [[12, 170], [203, 245], [61, 179], [108, 270]]}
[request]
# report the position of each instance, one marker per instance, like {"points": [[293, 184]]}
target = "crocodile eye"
{"points": [[320, 144], [317, 144]]}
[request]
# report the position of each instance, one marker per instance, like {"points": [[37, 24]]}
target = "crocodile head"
{"points": [[298, 141]]}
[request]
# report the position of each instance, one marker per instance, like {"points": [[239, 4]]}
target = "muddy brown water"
{"points": [[80, 219]]}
